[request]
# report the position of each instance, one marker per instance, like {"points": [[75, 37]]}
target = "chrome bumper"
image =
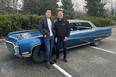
{"points": [[13, 48]]}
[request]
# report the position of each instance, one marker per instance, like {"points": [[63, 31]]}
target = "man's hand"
{"points": [[56, 39], [65, 39]]}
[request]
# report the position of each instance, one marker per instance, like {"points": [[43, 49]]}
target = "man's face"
{"points": [[48, 13], [60, 15]]}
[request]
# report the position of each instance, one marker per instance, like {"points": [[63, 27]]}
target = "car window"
{"points": [[73, 27], [80, 26]]}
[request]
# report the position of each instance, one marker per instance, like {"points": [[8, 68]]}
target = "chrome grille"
{"points": [[10, 47]]}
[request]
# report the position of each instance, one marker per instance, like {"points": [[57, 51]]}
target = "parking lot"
{"points": [[84, 61]]}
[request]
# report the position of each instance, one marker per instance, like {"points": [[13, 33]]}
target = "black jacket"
{"points": [[43, 27], [62, 28]]}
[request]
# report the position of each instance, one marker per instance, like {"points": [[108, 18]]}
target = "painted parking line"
{"points": [[62, 70], [103, 50]]}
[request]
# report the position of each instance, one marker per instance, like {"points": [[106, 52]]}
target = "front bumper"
{"points": [[13, 48]]}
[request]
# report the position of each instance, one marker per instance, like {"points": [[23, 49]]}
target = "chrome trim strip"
{"points": [[10, 43], [97, 39], [77, 45], [82, 31], [13, 37]]}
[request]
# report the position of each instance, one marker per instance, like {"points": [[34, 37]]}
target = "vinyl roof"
{"points": [[72, 21]]}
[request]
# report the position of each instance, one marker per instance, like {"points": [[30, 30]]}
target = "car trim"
{"points": [[82, 31], [17, 53], [97, 39], [78, 45], [67, 47], [16, 48]]}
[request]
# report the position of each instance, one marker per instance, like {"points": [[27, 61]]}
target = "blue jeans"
{"points": [[49, 42]]}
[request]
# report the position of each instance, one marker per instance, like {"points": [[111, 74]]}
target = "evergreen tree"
{"points": [[39, 6], [68, 9], [95, 8]]}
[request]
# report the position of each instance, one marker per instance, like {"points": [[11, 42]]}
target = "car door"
{"points": [[88, 32], [76, 37]]}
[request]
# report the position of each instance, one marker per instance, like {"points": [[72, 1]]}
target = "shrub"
{"points": [[16, 22], [99, 21]]}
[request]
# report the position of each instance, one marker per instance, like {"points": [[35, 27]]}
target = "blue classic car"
{"points": [[29, 43]]}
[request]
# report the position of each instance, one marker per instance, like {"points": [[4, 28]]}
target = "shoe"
{"points": [[65, 60], [48, 66], [56, 60], [51, 62]]}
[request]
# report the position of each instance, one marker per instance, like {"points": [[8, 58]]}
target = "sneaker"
{"points": [[65, 60], [56, 60], [48, 66], [51, 62]]}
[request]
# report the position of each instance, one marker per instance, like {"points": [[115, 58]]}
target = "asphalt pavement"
{"points": [[84, 61]]}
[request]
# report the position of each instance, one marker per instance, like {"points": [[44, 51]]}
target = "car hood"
{"points": [[25, 34]]}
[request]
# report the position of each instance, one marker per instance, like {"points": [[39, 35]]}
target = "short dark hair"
{"points": [[47, 10], [61, 11]]}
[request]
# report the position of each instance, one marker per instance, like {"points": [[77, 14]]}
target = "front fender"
{"points": [[27, 45]]}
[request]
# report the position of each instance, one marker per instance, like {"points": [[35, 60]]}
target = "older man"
{"points": [[62, 30]]}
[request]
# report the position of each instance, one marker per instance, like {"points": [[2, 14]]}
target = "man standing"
{"points": [[62, 31], [46, 27]]}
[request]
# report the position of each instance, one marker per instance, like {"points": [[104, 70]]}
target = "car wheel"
{"points": [[96, 42], [38, 55]]}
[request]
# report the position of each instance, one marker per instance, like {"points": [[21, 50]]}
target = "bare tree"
{"points": [[9, 6]]}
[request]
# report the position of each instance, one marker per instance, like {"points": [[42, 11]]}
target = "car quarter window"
{"points": [[80, 26]]}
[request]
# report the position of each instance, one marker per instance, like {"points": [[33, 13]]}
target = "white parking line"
{"points": [[103, 50], [62, 70]]}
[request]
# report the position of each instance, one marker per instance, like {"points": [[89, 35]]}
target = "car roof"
{"points": [[73, 21]]}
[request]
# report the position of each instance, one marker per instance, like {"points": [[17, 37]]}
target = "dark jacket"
{"points": [[62, 28], [43, 27]]}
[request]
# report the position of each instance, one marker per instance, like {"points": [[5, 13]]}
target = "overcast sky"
{"points": [[78, 4]]}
